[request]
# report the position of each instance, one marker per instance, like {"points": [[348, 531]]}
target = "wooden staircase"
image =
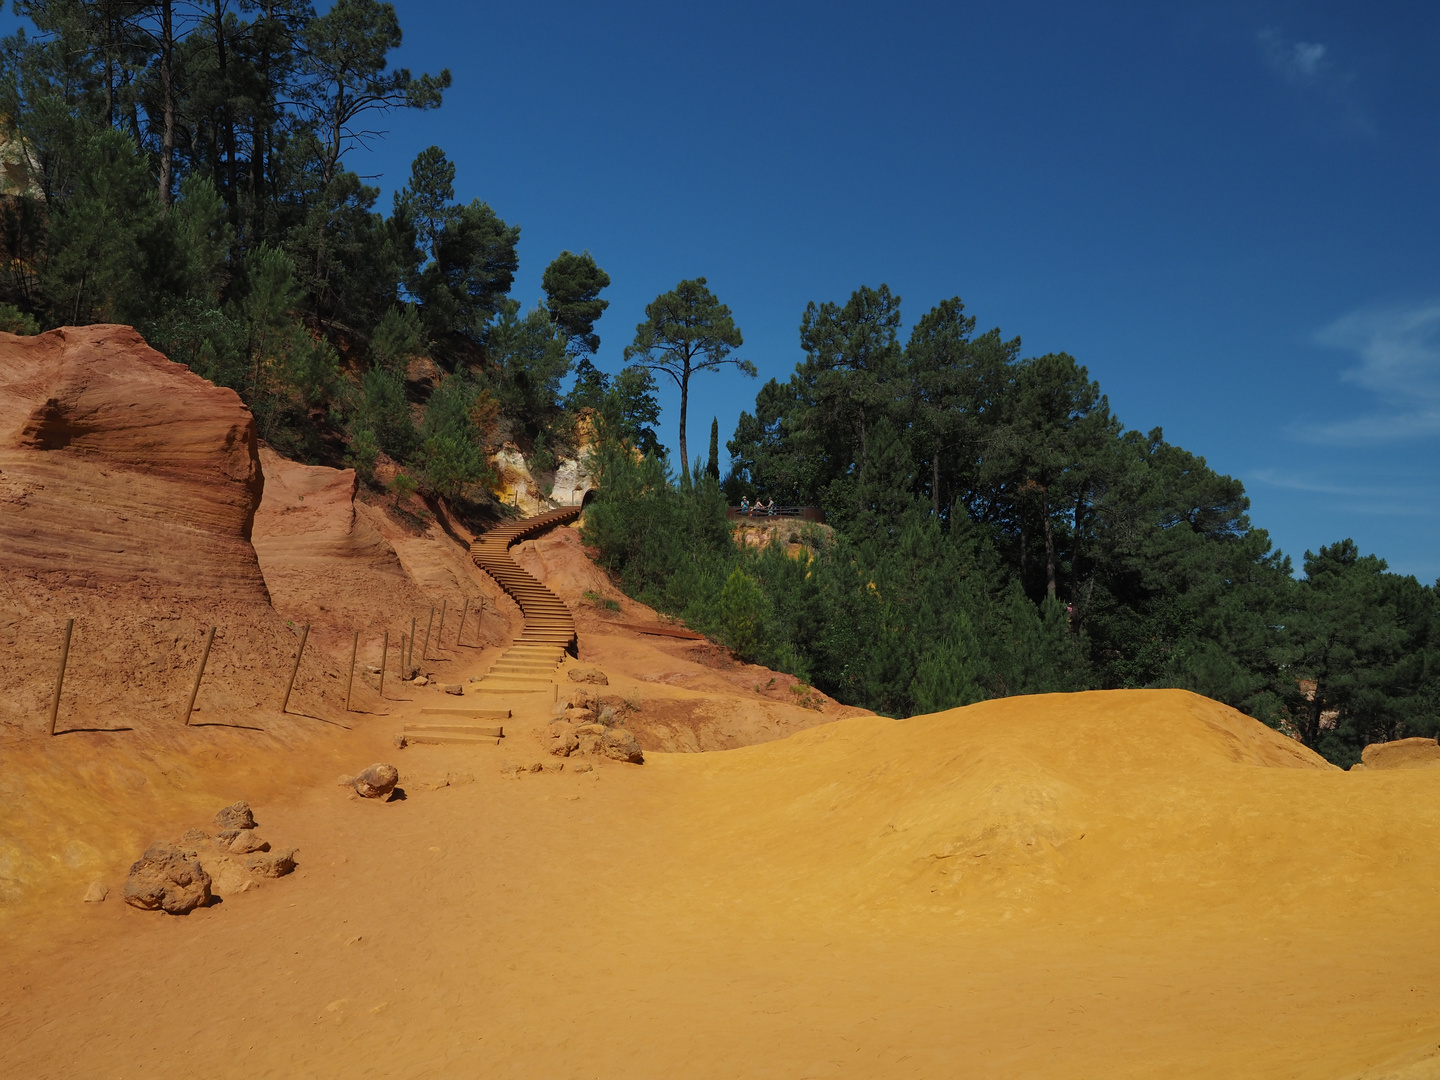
{"points": [[549, 633]]}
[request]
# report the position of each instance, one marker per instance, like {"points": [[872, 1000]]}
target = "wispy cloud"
{"points": [[1308, 68], [1399, 363]]}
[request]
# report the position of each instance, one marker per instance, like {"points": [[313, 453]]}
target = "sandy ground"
{"points": [[1137, 884]]}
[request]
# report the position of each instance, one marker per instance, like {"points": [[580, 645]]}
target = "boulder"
{"points": [[235, 816], [247, 842], [455, 688], [376, 782], [591, 744], [164, 879], [591, 675], [564, 744], [583, 699], [271, 863], [589, 729], [230, 878], [580, 716], [620, 745]]}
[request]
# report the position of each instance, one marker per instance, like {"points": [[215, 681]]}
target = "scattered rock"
{"points": [[376, 782], [509, 768], [271, 863], [456, 779], [554, 766], [371, 670], [607, 716], [420, 680], [400, 743], [247, 842], [229, 878], [97, 892], [583, 766], [456, 689], [410, 673], [590, 729], [580, 716], [235, 816], [584, 699], [591, 744], [165, 880], [537, 766], [587, 675], [224, 836], [194, 836], [564, 744], [620, 745]]}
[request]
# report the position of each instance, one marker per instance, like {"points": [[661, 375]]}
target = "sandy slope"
{"points": [[1129, 884]]}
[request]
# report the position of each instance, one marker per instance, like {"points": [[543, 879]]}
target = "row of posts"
{"points": [[407, 656]]}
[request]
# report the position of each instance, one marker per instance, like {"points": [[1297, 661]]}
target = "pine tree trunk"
{"points": [[935, 479], [167, 92], [684, 408], [1049, 544]]}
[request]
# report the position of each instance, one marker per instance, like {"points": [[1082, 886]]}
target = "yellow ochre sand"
{"points": [[1110, 884]]}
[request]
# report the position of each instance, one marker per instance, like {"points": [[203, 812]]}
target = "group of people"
{"points": [[750, 509]]}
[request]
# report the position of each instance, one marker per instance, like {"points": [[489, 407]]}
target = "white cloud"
{"points": [[1398, 350], [1308, 69]]}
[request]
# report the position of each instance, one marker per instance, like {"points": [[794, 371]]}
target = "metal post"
{"points": [[440, 633], [425, 649], [384, 656], [199, 674], [463, 612], [304, 635], [350, 682], [60, 678]]}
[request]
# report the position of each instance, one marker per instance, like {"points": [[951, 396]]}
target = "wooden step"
{"points": [[476, 713], [448, 738], [489, 731], [507, 688]]}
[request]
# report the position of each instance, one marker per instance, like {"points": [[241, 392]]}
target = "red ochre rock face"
{"points": [[118, 465]]}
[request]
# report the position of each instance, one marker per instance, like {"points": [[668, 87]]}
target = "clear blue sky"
{"points": [[1229, 212]]}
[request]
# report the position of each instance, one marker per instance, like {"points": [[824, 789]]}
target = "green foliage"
{"points": [[712, 463], [398, 337], [451, 453], [741, 612], [572, 285], [15, 321]]}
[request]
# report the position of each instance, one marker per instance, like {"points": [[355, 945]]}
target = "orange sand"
{"points": [[1136, 884]]}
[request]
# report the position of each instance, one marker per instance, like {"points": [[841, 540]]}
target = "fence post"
{"points": [[60, 677], [425, 649], [199, 674], [384, 655], [463, 612], [350, 681], [410, 656], [304, 635], [440, 633]]}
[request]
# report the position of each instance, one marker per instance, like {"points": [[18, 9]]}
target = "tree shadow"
{"points": [[83, 730], [221, 723], [322, 719]]}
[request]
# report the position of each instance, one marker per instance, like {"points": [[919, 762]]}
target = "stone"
{"points": [[584, 699], [457, 779], [587, 675], [455, 688], [271, 863], [607, 716], [537, 766], [580, 716], [224, 836], [564, 744], [97, 892], [194, 836], [620, 745], [229, 878], [509, 768], [247, 842], [235, 816], [421, 680], [165, 880], [376, 782], [410, 673], [400, 743], [370, 669], [582, 767], [591, 744], [554, 766], [590, 729]]}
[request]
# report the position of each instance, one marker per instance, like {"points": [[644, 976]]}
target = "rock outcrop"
{"points": [[167, 879]]}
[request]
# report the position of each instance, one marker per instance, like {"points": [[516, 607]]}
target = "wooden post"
{"points": [[403, 663], [425, 649], [410, 656], [440, 633], [384, 656], [304, 635], [350, 682], [60, 677], [199, 674], [463, 612]]}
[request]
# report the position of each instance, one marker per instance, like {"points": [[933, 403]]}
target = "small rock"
{"points": [[400, 742], [583, 766], [224, 836], [194, 836], [235, 816], [421, 680], [537, 766], [554, 766], [583, 699], [165, 880], [370, 669], [591, 744], [587, 675], [607, 716], [509, 768], [229, 878], [271, 863], [590, 729], [459, 778], [580, 716], [97, 892], [247, 842], [409, 673], [376, 782], [455, 688], [620, 745], [564, 744]]}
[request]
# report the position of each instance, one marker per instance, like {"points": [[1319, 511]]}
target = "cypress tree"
{"points": [[713, 465]]}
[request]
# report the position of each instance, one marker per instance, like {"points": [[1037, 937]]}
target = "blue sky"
{"points": [[1229, 213]]}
